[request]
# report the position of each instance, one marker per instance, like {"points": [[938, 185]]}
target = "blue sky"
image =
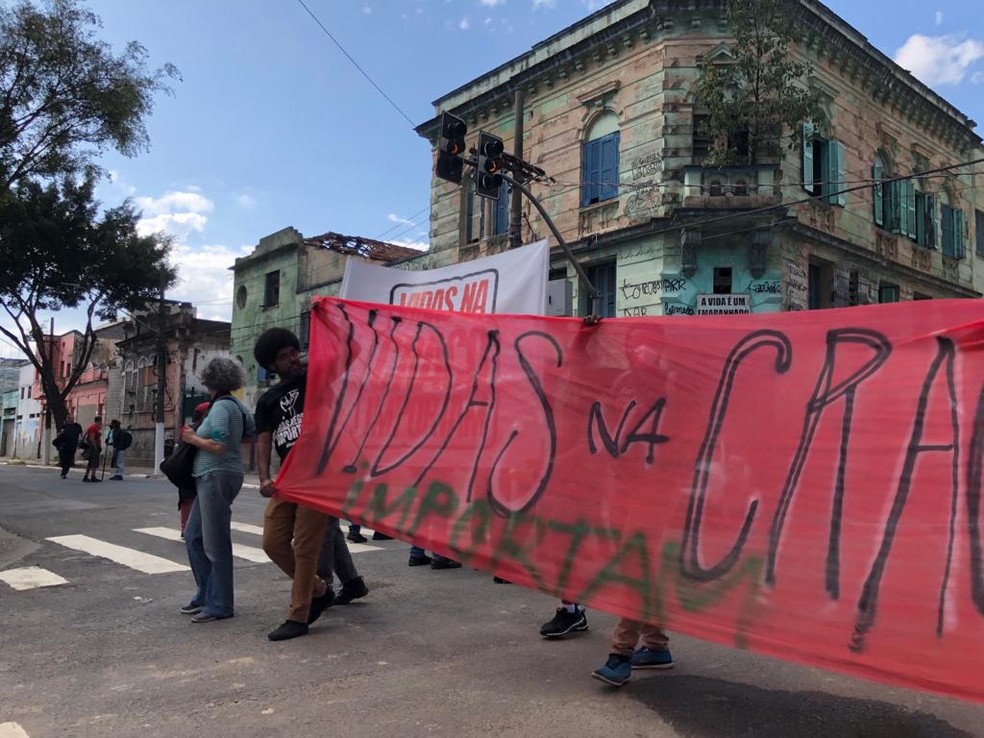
{"points": [[272, 126]]}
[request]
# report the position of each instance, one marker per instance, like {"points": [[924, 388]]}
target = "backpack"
{"points": [[126, 440]]}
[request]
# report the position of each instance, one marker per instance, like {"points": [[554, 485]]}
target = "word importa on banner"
{"points": [[801, 485]]}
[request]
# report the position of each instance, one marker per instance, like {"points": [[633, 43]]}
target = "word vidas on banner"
{"points": [[471, 293], [798, 474]]}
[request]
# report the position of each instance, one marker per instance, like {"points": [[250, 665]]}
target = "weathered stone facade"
{"points": [[275, 284], [675, 230]]}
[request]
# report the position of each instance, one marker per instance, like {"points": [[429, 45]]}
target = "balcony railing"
{"points": [[731, 187]]}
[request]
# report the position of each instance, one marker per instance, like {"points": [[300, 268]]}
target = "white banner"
{"points": [[514, 281]]}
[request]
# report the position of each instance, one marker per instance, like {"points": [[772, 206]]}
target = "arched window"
{"points": [[599, 160]]}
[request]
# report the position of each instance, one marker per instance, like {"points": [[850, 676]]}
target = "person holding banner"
{"points": [[654, 653], [292, 534]]}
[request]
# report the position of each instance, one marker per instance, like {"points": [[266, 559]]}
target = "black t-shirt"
{"points": [[279, 411], [72, 432]]}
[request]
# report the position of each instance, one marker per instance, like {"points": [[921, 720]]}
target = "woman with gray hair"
{"points": [[218, 472]]}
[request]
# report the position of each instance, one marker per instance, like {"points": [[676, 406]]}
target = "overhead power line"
{"points": [[355, 63]]}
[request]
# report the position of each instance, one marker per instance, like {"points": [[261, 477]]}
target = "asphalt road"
{"points": [[427, 653]]}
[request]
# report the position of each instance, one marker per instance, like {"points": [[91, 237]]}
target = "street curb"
{"points": [[27, 465]]}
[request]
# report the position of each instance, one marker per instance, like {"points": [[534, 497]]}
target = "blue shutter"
{"points": [[591, 172], [878, 194], [808, 158], [608, 165]]}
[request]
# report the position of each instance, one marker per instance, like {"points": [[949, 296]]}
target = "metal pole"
{"points": [[161, 378], [592, 290], [516, 203]]}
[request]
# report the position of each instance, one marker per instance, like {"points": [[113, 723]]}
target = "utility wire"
{"points": [[355, 63]]}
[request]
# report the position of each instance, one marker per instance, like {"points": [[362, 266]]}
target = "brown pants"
{"points": [[292, 536], [628, 632]]}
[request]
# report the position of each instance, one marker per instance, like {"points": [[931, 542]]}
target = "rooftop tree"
{"points": [[756, 102]]}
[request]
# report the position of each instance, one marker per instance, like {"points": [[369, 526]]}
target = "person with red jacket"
{"points": [[93, 449]]}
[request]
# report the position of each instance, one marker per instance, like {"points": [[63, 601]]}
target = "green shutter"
{"points": [[929, 220], [910, 208], [808, 158], [959, 231], [878, 194], [920, 219], [836, 177]]}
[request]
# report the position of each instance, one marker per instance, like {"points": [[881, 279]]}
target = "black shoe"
{"points": [[377, 536], [352, 590], [356, 537], [85, 479], [116, 478], [419, 560], [64, 476], [289, 629], [500, 580], [445, 564], [565, 622], [320, 604], [95, 480]]}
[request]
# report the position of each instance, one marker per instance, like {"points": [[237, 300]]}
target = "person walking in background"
{"points": [[188, 492], [355, 534], [93, 449], [218, 471], [292, 533], [67, 443], [120, 440]]}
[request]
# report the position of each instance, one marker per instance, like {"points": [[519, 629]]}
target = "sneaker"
{"points": [[356, 537], [207, 617], [64, 476], [650, 658], [377, 536], [445, 564], [320, 604], [616, 670], [565, 622], [85, 479], [191, 609], [419, 561], [289, 629], [352, 590], [95, 480], [500, 580], [116, 478]]}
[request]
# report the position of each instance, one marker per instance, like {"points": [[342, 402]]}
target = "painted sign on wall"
{"points": [[722, 305]]}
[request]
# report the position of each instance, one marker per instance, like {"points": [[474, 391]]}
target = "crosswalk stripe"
{"points": [[147, 563], [12, 730], [250, 553], [247, 528], [30, 577]]}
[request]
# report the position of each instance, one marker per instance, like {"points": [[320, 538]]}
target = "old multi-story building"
{"points": [[610, 114], [273, 286], [27, 428], [189, 343]]}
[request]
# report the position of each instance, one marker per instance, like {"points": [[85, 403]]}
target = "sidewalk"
{"points": [[252, 481]]}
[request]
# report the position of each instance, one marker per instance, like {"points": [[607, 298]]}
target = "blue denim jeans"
{"points": [[208, 538]]}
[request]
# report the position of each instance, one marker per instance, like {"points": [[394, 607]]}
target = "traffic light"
{"points": [[488, 181], [450, 147]]}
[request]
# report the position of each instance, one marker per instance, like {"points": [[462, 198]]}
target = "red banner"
{"points": [[804, 485]]}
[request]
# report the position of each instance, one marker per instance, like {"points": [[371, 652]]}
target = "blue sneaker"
{"points": [[648, 658], [616, 670]]}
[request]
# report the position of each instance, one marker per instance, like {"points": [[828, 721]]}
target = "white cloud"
{"points": [[492, 3], [464, 24], [418, 245], [246, 201], [543, 4], [394, 218], [943, 60], [178, 213], [204, 277], [367, 10], [939, 17]]}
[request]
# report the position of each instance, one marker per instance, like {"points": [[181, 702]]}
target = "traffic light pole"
{"points": [[582, 275]]}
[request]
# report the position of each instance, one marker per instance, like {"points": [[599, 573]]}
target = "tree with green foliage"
{"points": [[64, 95], [756, 103], [65, 98], [59, 251]]}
